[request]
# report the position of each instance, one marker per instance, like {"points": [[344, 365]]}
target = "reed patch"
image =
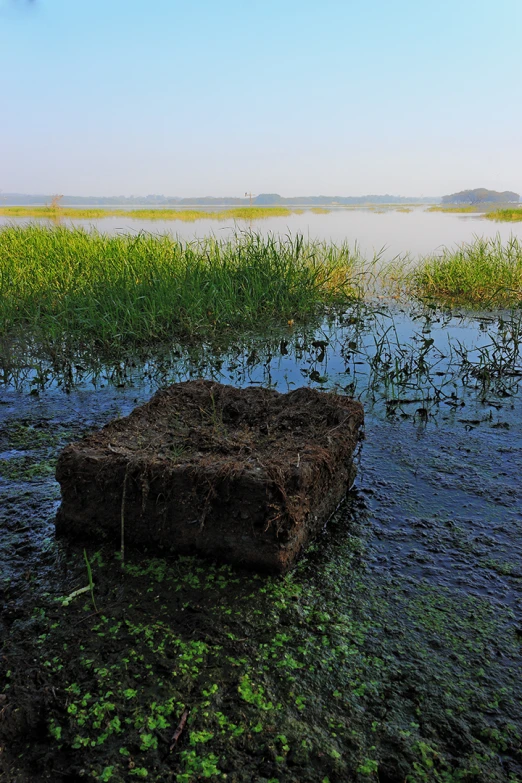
{"points": [[70, 284], [486, 273]]}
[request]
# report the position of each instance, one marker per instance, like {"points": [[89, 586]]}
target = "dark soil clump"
{"points": [[242, 475]]}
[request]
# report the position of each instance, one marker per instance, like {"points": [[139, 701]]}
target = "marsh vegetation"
{"points": [[486, 273], [82, 286], [506, 215], [63, 284], [457, 209], [392, 653], [58, 213]]}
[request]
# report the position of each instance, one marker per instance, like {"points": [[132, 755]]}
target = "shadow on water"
{"points": [[392, 653]]}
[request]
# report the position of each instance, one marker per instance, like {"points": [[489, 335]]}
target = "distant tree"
{"points": [[481, 196], [55, 201]]}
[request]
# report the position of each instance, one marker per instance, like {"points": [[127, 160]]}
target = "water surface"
{"points": [[416, 233]]}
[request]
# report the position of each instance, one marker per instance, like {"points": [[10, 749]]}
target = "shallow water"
{"points": [[415, 233], [410, 601], [443, 422]]}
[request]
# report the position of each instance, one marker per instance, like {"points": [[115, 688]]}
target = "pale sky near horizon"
{"points": [[297, 97]]}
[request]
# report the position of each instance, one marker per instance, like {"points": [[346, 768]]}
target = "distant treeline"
{"points": [[264, 199], [481, 196]]}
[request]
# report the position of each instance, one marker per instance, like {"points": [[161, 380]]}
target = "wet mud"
{"points": [[391, 653]]}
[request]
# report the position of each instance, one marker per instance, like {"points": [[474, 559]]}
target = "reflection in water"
{"points": [[399, 361], [443, 427]]}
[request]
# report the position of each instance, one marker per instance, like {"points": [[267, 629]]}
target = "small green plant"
{"points": [[197, 766], [55, 730], [254, 694], [148, 742], [368, 767]]}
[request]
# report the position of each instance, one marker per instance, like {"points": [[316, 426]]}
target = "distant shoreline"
{"points": [[209, 207], [264, 200]]}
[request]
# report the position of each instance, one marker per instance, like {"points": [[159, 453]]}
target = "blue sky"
{"points": [[298, 97]]}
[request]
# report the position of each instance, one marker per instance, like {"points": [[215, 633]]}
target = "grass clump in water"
{"points": [[56, 213], [111, 291], [506, 215], [484, 273], [460, 208]]}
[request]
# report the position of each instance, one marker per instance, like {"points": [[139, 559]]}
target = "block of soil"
{"points": [[242, 475]]}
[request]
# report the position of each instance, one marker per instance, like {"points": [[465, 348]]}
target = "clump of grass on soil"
{"points": [[506, 215], [58, 283], [186, 215], [484, 273]]}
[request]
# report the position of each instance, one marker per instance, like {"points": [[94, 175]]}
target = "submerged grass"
{"points": [[58, 283], [186, 215], [485, 273]]}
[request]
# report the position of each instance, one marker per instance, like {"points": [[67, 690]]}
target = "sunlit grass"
{"points": [[484, 273], [55, 212], [87, 287], [59, 283], [506, 215], [187, 215]]}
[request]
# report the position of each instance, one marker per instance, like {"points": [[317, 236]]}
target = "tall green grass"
{"points": [[484, 273], [187, 215], [58, 283]]}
